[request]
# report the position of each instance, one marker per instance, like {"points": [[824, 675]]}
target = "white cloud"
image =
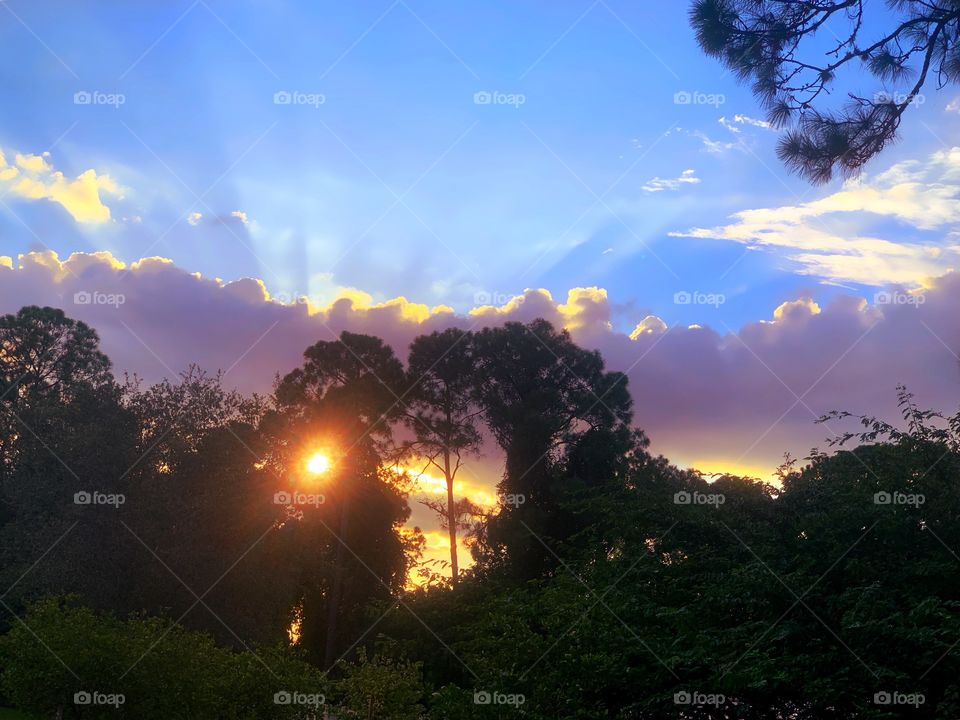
{"points": [[658, 184], [715, 147], [746, 120], [835, 237], [729, 125], [194, 218]]}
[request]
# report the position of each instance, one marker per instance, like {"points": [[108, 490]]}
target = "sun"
{"points": [[318, 464]]}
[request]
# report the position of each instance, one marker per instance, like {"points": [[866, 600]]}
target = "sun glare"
{"points": [[318, 464]]}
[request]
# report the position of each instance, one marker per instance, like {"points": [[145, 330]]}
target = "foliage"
{"points": [[68, 661], [619, 587], [773, 44]]}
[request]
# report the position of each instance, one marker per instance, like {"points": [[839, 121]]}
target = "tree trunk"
{"points": [[451, 519]]}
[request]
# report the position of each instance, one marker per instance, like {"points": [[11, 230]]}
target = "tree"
{"points": [[542, 397], [64, 434], [772, 43], [381, 688], [345, 396], [94, 665], [443, 417]]}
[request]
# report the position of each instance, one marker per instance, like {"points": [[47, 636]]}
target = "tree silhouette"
{"points": [[443, 417], [772, 44]]}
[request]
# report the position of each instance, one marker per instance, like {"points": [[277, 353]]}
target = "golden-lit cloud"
{"points": [[830, 237], [727, 395], [650, 325], [33, 177]]}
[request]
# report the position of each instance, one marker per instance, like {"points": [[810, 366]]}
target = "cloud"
{"points": [[953, 105], [729, 125], [237, 218], [745, 120], [651, 324], [718, 395], [33, 177], [658, 184], [831, 237], [715, 147]]}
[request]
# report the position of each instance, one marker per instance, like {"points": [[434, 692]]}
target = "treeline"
{"points": [[184, 542]]}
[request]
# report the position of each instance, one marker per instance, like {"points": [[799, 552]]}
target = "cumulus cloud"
{"points": [[658, 184], [828, 237], [33, 177], [715, 397]]}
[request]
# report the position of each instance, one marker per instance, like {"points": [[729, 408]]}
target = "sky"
{"points": [[409, 164]]}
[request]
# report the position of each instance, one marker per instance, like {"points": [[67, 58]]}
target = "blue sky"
{"points": [[399, 182]]}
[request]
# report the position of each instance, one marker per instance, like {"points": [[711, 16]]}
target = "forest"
{"points": [[178, 550]]}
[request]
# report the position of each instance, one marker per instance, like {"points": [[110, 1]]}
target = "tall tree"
{"points": [[772, 43], [63, 431], [542, 395], [345, 397], [443, 417]]}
